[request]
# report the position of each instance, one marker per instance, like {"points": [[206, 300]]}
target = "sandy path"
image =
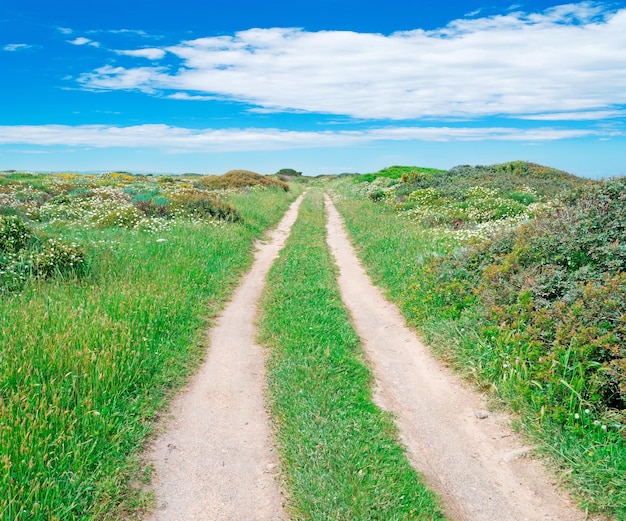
{"points": [[215, 459], [476, 465]]}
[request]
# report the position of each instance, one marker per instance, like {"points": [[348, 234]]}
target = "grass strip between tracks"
{"points": [[339, 452]]}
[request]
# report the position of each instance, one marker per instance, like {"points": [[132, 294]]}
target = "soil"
{"points": [[215, 460]]}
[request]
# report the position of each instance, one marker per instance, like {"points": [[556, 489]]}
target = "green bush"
{"points": [[56, 258], [24, 255], [289, 172], [238, 179], [557, 285], [152, 204], [119, 216], [403, 173], [201, 204], [14, 234]]}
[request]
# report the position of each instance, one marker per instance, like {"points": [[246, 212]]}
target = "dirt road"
{"points": [[476, 465], [215, 460]]}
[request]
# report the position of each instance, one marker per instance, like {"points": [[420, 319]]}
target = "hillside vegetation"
{"points": [[240, 179], [516, 273]]}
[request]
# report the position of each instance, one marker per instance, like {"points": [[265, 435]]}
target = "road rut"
{"points": [[215, 459], [476, 465]]}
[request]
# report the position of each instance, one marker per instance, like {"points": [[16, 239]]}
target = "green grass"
{"points": [[86, 364], [339, 453], [588, 451]]}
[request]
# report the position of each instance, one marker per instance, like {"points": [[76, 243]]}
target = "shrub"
{"points": [[400, 173], [238, 179], [289, 172], [120, 216], [24, 255], [152, 204], [201, 204], [57, 257], [425, 197], [14, 234], [81, 191], [557, 285]]}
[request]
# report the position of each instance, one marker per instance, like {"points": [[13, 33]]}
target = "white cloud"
{"points": [[577, 116], [135, 32], [149, 53], [176, 139], [108, 77], [81, 40], [12, 47], [567, 59], [189, 97]]}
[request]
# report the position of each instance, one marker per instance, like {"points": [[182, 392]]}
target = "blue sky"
{"points": [[324, 86]]}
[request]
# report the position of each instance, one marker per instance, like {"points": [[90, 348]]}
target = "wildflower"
{"points": [[576, 416]]}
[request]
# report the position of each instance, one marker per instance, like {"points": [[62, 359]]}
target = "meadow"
{"points": [[106, 284]]}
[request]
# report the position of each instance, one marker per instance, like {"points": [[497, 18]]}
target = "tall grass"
{"points": [[86, 364], [339, 453], [588, 451]]}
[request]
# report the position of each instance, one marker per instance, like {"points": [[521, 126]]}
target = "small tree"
{"points": [[289, 172]]}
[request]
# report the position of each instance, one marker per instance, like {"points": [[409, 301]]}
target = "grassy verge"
{"points": [[590, 454], [86, 364], [339, 452]]}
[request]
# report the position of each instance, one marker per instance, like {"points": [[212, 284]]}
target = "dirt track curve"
{"points": [[215, 460]]}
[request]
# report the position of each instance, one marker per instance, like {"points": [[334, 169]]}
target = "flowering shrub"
{"points": [[14, 234], [240, 179], [200, 204], [477, 206], [24, 255], [556, 288], [57, 257], [120, 216]]}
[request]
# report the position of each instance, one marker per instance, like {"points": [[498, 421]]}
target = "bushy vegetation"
{"points": [[397, 172], [25, 254], [112, 200], [240, 179], [87, 362], [476, 201], [556, 288], [535, 312], [289, 172], [505, 178]]}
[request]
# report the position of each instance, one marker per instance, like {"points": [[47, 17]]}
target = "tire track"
{"points": [[473, 460], [215, 460]]}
